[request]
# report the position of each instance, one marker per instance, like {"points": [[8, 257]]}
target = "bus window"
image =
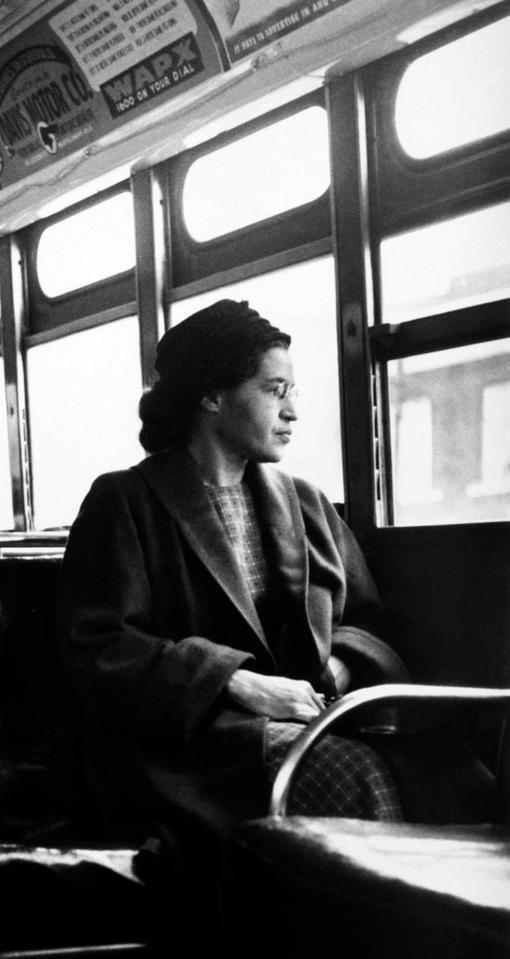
{"points": [[83, 396], [274, 169], [457, 94], [450, 418], [495, 455], [88, 246], [300, 300], [459, 262], [6, 513]]}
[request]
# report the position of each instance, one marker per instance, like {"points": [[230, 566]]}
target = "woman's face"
{"points": [[253, 420]]}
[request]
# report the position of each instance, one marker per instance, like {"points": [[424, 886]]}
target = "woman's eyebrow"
{"points": [[276, 379]]}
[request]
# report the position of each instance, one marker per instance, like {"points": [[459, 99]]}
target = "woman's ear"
{"points": [[211, 402]]}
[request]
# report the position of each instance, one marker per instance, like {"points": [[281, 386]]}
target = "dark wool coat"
{"points": [[155, 617]]}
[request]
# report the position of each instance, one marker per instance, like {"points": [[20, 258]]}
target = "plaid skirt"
{"points": [[338, 777]]}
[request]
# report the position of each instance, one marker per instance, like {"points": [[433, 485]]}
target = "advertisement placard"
{"points": [[246, 26], [88, 67]]}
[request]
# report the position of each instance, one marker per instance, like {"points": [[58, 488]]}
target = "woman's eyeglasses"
{"points": [[284, 390]]}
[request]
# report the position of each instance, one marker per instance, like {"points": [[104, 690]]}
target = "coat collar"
{"points": [[174, 478]]}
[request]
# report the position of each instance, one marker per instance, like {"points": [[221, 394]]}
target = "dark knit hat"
{"points": [[215, 348], [209, 343]]}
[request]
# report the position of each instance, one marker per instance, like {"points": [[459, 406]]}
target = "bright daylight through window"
{"points": [[88, 246], [446, 266], [6, 513], [450, 428], [80, 391], [272, 170], [456, 94]]}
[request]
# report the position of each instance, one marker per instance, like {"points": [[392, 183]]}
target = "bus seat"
{"points": [[42, 794], [389, 889], [320, 886], [503, 777], [58, 897], [65, 883], [55, 856]]}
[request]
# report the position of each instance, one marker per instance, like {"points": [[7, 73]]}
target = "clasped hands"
{"points": [[279, 697]]}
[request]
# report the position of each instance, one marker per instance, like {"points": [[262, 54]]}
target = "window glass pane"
{"points": [[300, 300], [456, 94], [265, 173], [450, 426], [495, 471], [460, 262], [6, 514], [88, 246], [83, 393]]}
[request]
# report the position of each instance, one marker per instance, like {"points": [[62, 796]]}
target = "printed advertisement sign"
{"points": [[248, 25], [45, 105], [82, 71], [131, 50], [89, 66]]}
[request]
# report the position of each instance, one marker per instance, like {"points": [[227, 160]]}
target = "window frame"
{"points": [[47, 315], [405, 193], [389, 193], [420, 191], [277, 240], [31, 318]]}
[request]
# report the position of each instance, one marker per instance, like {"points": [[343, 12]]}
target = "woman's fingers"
{"points": [[276, 696]]}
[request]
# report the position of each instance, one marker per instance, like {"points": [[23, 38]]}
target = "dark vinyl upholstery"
{"points": [[64, 882], [379, 890]]}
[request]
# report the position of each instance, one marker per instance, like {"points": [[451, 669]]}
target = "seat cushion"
{"points": [[62, 897], [396, 890]]}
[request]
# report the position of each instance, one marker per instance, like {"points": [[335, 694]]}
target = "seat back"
{"points": [[41, 789], [503, 774]]}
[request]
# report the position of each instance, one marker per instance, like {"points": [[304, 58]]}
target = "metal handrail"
{"points": [[387, 694]]}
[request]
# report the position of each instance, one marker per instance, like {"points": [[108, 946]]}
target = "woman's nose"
{"points": [[288, 410]]}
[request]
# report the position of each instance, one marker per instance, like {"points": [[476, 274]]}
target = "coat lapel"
{"points": [[175, 480], [278, 506], [278, 503]]}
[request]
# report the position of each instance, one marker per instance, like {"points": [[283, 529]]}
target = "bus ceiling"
{"points": [[91, 90]]}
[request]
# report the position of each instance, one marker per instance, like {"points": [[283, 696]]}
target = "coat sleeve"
{"points": [[357, 612], [123, 672]]}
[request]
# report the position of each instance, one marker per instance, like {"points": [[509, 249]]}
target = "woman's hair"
{"points": [[214, 349]]}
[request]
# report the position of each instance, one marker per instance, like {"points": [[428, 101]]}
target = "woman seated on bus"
{"points": [[210, 605]]}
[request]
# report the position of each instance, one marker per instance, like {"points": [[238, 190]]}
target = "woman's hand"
{"points": [[275, 696]]}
